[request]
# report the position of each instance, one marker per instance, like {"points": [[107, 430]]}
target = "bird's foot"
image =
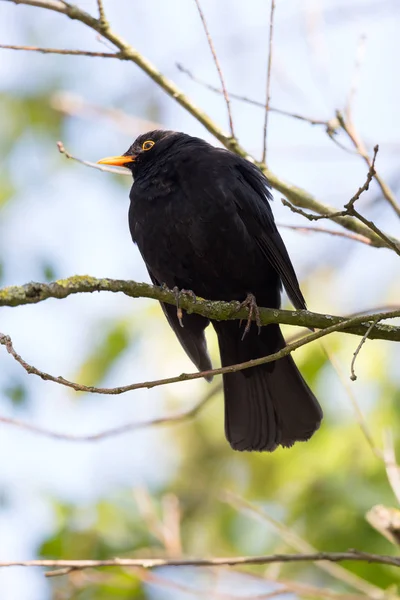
{"points": [[178, 294], [251, 303]]}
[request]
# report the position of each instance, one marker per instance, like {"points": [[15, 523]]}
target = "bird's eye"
{"points": [[147, 145]]}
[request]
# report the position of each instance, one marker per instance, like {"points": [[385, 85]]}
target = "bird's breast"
{"points": [[195, 242]]}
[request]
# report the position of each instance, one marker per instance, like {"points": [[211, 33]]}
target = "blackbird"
{"points": [[202, 220]]}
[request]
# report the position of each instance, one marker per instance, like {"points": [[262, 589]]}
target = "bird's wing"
{"points": [[191, 335], [252, 196]]}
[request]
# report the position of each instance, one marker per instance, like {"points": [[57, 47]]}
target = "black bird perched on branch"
{"points": [[202, 221]]}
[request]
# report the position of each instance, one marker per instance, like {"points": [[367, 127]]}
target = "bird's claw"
{"points": [[251, 304], [178, 293]]}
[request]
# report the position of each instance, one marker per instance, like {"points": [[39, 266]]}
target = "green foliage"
{"points": [[27, 112], [17, 393], [110, 341], [49, 271]]}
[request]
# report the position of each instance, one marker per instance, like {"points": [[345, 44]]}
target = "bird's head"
{"points": [[146, 149]]}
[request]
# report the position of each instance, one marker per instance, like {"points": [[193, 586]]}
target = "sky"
{"points": [[76, 218]]}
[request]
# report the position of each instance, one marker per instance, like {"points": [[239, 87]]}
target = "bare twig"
{"points": [[350, 211], [56, 5], [5, 340], [257, 103], [349, 128], [62, 51], [307, 229], [152, 563], [87, 163], [269, 71], [115, 431], [218, 66], [102, 14], [353, 376]]}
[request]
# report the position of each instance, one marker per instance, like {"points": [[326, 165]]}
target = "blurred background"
{"points": [[179, 489]]}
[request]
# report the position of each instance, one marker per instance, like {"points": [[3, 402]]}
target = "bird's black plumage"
{"points": [[202, 220]]}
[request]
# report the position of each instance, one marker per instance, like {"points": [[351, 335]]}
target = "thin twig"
{"points": [[5, 340], [350, 211], [87, 163], [218, 66], [102, 14], [152, 563], [269, 71], [115, 431], [349, 128], [307, 229], [62, 51], [56, 5], [257, 103], [353, 376]]}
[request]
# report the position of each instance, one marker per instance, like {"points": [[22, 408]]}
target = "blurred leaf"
{"points": [[49, 271], [109, 346], [26, 112], [7, 189], [17, 393]]}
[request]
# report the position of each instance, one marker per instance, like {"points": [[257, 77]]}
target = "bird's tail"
{"points": [[268, 405]]}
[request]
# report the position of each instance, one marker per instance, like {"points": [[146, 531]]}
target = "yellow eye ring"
{"points": [[147, 145]]}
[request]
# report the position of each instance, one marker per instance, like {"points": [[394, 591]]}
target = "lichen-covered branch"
{"points": [[296, 195], [32, 293]]}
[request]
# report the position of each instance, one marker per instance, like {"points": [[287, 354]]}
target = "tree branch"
{"points": [[218, 66], [268, 90], [307, 229], [349, 209], [92, 165], [298, 196], [115, 431], [62, 51], [32, 293], [5, 340], [152, 563], [349, 128], [257, 103]]}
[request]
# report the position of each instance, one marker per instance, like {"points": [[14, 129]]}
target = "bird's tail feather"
{"points": [[268, 405]]}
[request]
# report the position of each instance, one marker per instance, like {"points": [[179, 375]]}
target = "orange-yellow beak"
{"points": [[116, 161]]}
